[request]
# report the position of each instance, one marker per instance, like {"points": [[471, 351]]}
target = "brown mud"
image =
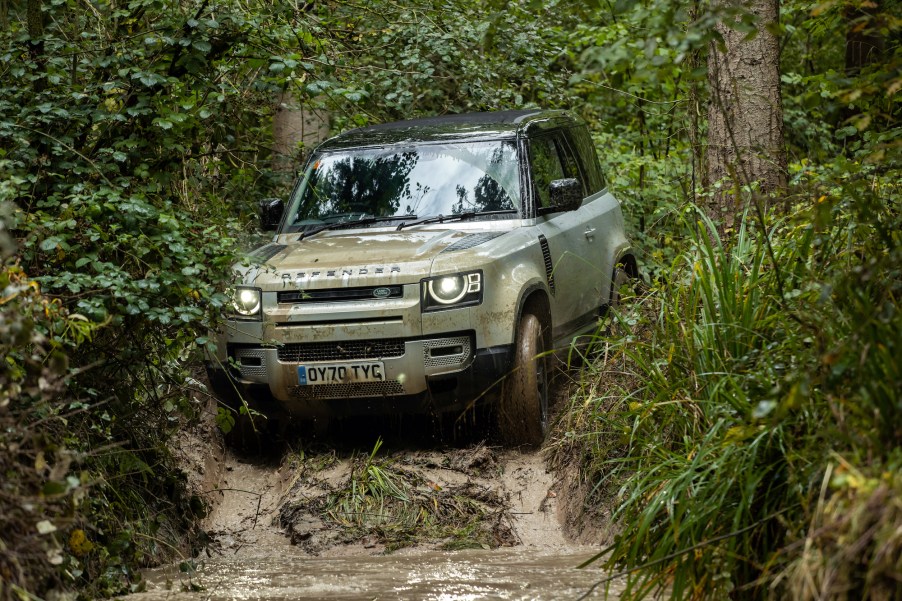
{"points": [[280, 502], [300, 521]]}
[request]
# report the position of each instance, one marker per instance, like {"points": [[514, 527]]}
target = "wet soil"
{"points": [[465, 520], [284, 504]]}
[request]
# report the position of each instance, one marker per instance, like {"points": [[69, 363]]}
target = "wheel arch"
{"points": [[626, 262], [627, 258], [535, 300]]}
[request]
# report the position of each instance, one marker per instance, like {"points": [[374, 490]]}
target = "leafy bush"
{"points": [[117, 130], [753, 376]]}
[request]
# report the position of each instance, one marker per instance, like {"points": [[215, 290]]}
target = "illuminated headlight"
{"points": [[450, 291], [247, 302]]}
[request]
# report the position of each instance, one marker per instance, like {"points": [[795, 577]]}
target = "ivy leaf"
{"points": [[149, 79], [50, 243]]}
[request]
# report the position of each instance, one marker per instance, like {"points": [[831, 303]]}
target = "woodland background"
{"points": [[746, 425]]}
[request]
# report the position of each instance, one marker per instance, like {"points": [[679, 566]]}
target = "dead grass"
{"points": [[383, 501], [853, 549]]}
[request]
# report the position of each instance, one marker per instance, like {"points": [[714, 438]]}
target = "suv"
{"points": [[425, 265]]}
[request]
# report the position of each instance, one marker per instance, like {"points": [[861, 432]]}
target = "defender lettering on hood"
{"points": [[289, 279]]}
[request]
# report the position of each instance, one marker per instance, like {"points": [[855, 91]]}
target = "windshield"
{"points": [[415, 182]]}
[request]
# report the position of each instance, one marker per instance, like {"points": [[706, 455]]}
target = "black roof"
{"points": [[465, 126]]}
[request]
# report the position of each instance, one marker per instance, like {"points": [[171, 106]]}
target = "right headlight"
{"points": [[247, 302], [452, 291]]}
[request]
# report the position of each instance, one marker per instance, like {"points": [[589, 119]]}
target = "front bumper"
{"points": [[421, 375]]}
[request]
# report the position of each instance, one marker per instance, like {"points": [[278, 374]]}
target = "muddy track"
{"points": [[282, 503], [381, 506]]}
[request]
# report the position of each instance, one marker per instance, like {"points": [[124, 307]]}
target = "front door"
{"points": [[569, 237]]}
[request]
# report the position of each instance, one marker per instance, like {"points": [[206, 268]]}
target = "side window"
{"points": [[571, 169], [588, 159], [545, 166]]}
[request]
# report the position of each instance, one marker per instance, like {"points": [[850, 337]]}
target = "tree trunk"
{"points": [[745, 114], [34, 21], [296, 130]]}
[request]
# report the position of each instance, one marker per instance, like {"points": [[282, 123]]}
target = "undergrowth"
{"points": [[79, 508], [746, 424]]}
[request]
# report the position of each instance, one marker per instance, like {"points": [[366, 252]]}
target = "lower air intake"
{"points": [[349, 391]]}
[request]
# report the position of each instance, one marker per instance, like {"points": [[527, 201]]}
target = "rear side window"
{"points": [[588, 159], [545, 165], [571, 167]]}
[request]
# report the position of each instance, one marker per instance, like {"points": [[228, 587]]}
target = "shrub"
{"points": [[756, 374]]}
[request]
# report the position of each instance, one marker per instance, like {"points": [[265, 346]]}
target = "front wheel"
{"points": [[523, 408]]}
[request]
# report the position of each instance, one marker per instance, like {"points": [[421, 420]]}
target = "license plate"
{"points": [[341, 373]]}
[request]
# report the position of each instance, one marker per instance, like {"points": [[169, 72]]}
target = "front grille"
{"points": [[348, 391], [342, 351], [334, 295]]}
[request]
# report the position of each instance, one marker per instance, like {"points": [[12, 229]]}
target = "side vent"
{"points": [[546, 255]]}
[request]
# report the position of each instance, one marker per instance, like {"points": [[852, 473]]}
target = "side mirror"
{"points": [[566, 194], [271, 210]]}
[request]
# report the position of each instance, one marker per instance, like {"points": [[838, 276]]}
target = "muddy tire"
{"points": [[522, 415]]}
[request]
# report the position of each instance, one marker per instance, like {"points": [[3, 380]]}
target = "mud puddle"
{"points": [[390, 521], [522, 573]]}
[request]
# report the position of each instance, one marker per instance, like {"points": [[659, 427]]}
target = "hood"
{"points": [[340, 259]]}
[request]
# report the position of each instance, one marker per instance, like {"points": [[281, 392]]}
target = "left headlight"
{"points": [[451, 291], [247, 303]]}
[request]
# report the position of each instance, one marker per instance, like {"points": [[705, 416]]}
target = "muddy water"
{"points": [[522, 573]]}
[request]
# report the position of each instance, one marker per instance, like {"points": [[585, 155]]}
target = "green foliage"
{"points": [[741, 375], [756, 366], [34, 472], [832, 104], [119, 128], [638, 79], [387, 61]]}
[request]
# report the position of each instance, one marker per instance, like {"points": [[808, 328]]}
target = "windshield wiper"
{"points": [[454, 217], [351, 223]]}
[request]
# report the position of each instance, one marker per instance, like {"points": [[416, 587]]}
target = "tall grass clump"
{"points": [[746, 428]]}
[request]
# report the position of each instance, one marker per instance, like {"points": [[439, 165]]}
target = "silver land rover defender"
{"points": [[425, 265]]}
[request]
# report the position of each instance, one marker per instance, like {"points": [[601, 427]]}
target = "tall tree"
{"points": [[745, 113]]}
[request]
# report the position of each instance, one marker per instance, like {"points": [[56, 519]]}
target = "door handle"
{"points": [[590, 233]]}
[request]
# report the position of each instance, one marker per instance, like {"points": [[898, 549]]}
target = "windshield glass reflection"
{"points": [[418, 181]]}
